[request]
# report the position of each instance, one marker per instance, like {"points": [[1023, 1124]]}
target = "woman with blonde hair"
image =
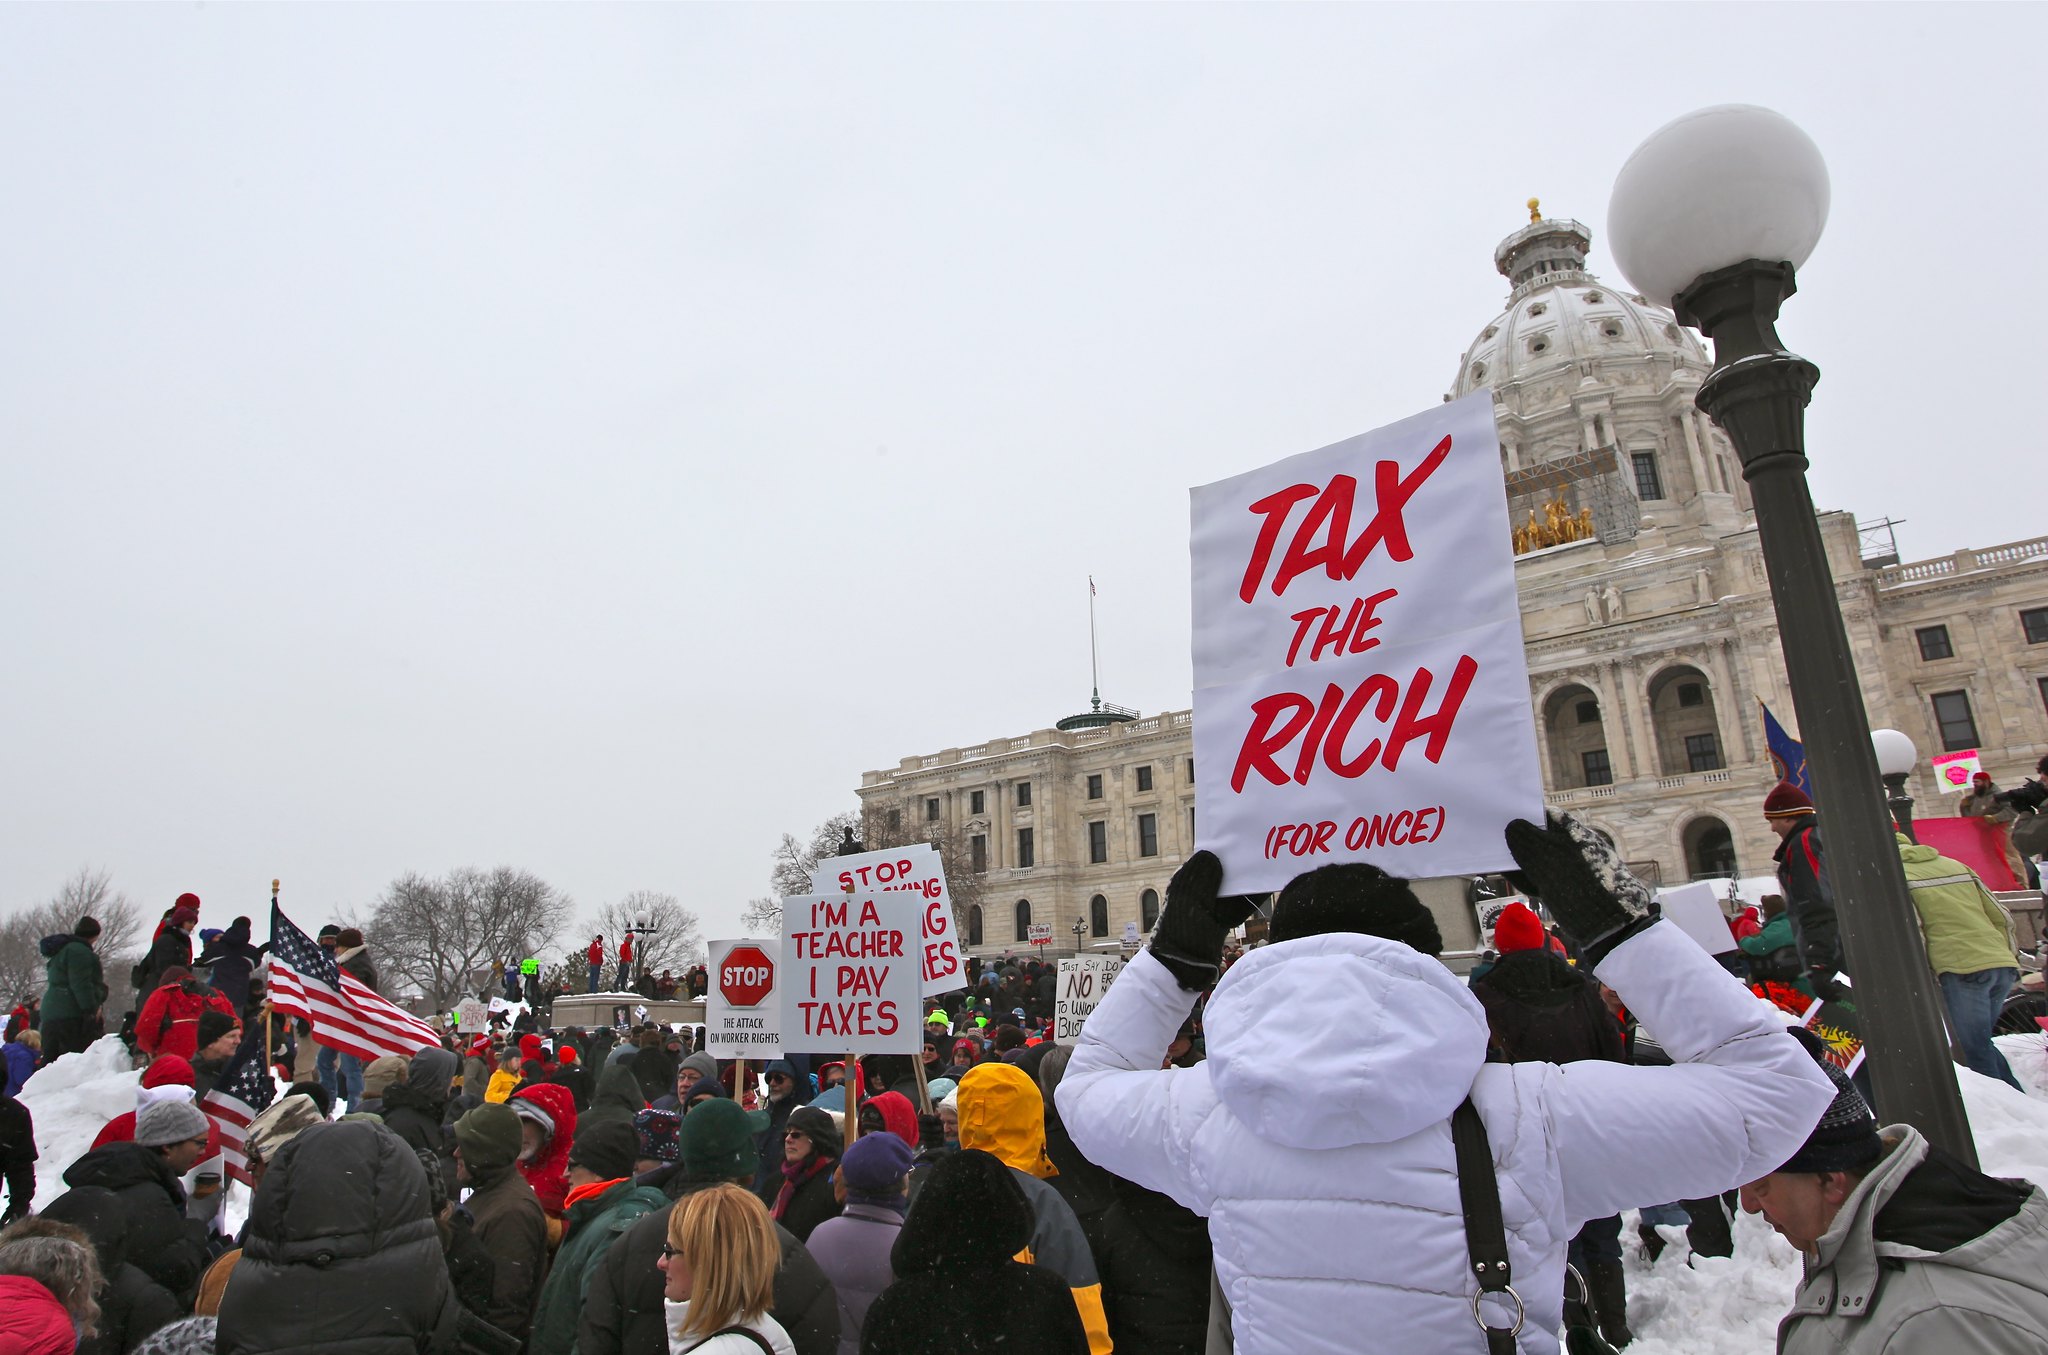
{"points": [[719, 1263]]}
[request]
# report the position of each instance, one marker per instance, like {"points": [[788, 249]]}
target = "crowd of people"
{"points": [[1277, 1148]]}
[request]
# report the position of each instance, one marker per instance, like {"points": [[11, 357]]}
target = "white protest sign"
{"points": [[914, 870], [742, 1009], [1488, 911], [499, 1004], [849, 973], [1696, 908], [1360, 690], [472, 1014], [1082, 982]]}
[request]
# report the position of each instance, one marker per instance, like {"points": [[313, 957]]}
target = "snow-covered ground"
{"points": [[1707, 1307]]}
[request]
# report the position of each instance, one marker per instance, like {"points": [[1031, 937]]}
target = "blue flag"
{"points": [[1788, 755]]}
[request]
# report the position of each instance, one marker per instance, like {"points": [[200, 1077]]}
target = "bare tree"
{"points": [[794, 861], [677, 941], [762, 917], [440, 935], [88, 892]]}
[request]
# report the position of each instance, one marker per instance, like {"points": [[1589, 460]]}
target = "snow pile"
{"points": [[72, 1100], [1732, 1306]]}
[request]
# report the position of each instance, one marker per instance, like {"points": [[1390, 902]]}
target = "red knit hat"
{"points": [[480, 1047], [1518, 928], [1786, 801], [167, 1069], [529, 1045], [566, 1054]]}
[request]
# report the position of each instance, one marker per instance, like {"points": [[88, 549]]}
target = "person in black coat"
{"points": [[958, 1291], [230, 960], [810, 1157], [1539, 1009], [1151, 1252], [571, 1075], [622, 1306], [131, 1304], [170, 1137], [342, 1252], [417, 1109]]}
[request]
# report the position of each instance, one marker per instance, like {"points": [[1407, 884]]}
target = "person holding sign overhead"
{"points": [[1350, 999]]}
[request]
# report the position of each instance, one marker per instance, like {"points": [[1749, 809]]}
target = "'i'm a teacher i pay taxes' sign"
{"points": [[1360, 688]]}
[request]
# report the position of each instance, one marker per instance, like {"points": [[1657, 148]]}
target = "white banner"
{"points": [[914, 870], [742, 1006], [1696, 908], [849, 975], [1360, 690], [472, 1014], [1082, 982]]}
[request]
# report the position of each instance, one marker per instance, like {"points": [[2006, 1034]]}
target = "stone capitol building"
{"points": [[1647, 624]]}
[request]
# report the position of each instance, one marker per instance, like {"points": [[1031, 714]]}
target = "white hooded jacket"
{"points": [[1316, 1139]]}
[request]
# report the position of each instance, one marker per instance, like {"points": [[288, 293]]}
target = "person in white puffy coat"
{"points": [[1316, 1138]]}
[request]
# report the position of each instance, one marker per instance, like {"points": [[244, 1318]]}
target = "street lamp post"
{"points": [[1080, 926], [1711, 215], [1895, 758]]}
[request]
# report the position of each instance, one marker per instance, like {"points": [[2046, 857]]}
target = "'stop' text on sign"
{"points": [[1360, 689], [917, 871]]}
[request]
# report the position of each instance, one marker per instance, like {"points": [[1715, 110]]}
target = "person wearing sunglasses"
{"points": [[810, 1150]]}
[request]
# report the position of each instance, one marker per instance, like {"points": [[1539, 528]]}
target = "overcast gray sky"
{"points": [[588, 438]]}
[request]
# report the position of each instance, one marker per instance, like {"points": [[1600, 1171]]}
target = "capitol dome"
{"points": [[1562, 322]]}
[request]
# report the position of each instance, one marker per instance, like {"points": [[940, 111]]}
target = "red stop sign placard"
{"points": [[746, 976]]}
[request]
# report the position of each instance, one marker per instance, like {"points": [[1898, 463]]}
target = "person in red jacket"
{"points": [[626, 963], [547, 1116], [595, 958], [169, 1021], [167, 1077]]}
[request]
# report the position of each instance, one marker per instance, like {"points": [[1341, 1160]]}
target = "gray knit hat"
{"points": [[188, 1336], [161, 1123]]}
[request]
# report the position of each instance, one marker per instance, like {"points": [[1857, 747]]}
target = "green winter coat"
{"points": [[591, 1226], [74, 986], [1964, 926]]}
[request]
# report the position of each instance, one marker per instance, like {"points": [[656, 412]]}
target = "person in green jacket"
{"points": [[75, 990], [603, 1203], [1970, 948], [1773, 950]]}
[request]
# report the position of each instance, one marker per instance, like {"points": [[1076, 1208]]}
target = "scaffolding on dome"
{"points": [[1557, 502]]}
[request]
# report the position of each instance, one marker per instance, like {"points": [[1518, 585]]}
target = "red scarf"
{"points": [[795, 1174]]}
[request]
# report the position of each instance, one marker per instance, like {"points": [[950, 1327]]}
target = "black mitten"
{"points": [[1189, 937], [1576, 874]]}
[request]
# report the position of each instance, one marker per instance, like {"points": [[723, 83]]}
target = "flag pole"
{"points": [[268, 1009], [1094, 661]]}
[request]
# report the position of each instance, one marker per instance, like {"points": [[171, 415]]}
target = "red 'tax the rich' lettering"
{"points": [[1339, 554], [1324, 727]]}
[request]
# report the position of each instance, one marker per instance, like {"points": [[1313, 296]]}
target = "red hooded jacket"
{"points": [[548, 1172], [32, 1321], [169, 1021], [899, 1115]]}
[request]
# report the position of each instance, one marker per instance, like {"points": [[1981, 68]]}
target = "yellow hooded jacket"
{"points": [[1002, 1113], [503, 1084]]}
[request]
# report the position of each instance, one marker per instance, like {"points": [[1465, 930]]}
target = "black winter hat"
{"points": [[608, 1149], [816, 1123], [214, 1023], [1354, 897], [1846, 1138], [88, 927], [977, 1218]]}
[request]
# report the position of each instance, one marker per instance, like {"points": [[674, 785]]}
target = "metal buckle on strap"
{"points": [[1521, 1313]]}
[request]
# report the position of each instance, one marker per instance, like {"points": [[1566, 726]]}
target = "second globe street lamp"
{"points": [[1711, 216]]}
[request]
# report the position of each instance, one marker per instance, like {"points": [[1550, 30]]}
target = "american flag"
{"points": [[345, 1013], [245, 1088]]}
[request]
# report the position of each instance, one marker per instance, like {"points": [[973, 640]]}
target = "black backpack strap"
{"points": [[748, 1332], [1486, 1235]]}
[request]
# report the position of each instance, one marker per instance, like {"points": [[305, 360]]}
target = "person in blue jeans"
{"points": [[1970, 948], [341, 1074]]}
